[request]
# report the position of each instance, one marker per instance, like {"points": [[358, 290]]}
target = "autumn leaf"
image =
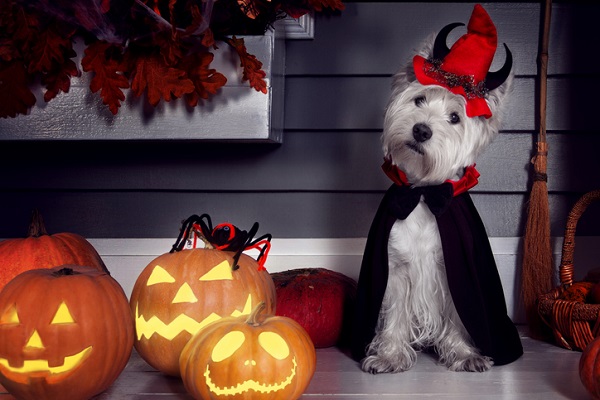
{"points": [[50, 49], [15, 95], [8, 51], [252, 71], [208, 39], [108, 72], [59, 79], [207, 81], [170, 47], [19, 29], [318, 5], [159, 80], [294, 11]]}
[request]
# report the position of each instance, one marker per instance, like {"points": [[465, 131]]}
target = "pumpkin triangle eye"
{"points": [[62, 316], [219, 273], [159, 275], [274, 344], [10, 316]]}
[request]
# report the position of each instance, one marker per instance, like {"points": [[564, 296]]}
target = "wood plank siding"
{"points": [[324, 180]]}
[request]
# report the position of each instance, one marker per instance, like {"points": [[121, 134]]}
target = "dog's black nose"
{"points": [[422, 132]]}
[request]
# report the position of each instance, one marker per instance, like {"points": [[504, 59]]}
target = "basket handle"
{"points": [[566, 261]]}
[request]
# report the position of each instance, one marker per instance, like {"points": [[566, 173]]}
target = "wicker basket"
{"points": [[573, 323]]}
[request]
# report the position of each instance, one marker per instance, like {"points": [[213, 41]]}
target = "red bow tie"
{"points": [[468, 180]]}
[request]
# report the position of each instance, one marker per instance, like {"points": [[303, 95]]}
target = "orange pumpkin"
{"points": [[179, 293], [255, 357], [65, 333], [41, 250], [589, 368]]}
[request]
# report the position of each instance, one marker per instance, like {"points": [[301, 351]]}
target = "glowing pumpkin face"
{"points": [[179, 293], [254, 357], [64, 333]]}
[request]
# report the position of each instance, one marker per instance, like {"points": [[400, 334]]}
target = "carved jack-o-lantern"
{"points": [[255, 357], [179, 293], [65, 333]]}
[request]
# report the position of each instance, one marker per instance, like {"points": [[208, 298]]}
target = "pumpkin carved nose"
{"points": [[35, 341], [185, 295]]}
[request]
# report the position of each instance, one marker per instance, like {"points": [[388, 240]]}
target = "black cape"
{"points": [[473, 278]]}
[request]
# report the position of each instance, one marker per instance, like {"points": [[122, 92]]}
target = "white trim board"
{"points": [[126, 258]]}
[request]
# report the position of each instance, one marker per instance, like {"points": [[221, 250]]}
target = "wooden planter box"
{"points": [[236, 113]]}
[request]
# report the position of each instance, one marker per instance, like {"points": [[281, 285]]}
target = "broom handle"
{"points": [[544, 69]]}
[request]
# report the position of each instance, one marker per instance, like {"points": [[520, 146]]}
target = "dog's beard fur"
{"points": [[417, 311]]}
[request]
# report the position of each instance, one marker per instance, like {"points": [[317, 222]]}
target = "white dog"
{"points": [[432, 138]]}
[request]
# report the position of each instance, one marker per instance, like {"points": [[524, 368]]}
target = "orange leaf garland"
{"points": [[160, 47], [252, 71]]}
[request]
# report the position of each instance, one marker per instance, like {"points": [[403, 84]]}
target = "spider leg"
{"points": [[265, 242], [238, 253], [187, 227]]}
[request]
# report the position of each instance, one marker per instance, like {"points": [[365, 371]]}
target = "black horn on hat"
{"points": [[440, 47], [497, 78], [492, 79]]}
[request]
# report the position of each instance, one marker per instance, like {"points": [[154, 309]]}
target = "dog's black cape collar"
{"points": [[473, 278]]}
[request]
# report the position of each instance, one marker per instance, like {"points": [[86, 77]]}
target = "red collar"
{"points": [[465, 183]]}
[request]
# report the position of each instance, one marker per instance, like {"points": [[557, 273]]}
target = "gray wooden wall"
{"points": [[325, 180]]}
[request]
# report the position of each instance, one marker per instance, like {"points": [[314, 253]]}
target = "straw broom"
{"points": [[537, 252]]}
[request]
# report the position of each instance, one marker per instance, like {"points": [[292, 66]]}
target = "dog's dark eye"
{"points": [[419, 101], [454, 118]]}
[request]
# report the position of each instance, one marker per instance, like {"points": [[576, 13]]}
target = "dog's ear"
{"points": [[495, 98], [406, 75]]}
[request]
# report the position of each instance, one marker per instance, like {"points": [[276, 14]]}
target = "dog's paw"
{"points": [[376, 364], [473, 363]]}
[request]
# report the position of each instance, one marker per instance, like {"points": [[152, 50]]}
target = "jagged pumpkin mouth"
{"points": [[250, 384], [182, 323], [41, 368]]}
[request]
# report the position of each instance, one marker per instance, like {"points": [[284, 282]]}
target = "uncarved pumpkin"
{"points": [[65, 333], [255, 357], [320, 300], [41, 250], [179, 293], [589, 367]]}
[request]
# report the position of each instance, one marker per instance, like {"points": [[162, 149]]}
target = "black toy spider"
{"points": [[225, 236]]}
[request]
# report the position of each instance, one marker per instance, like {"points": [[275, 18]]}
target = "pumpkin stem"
{"points": [[253, 318], [36, 225]]}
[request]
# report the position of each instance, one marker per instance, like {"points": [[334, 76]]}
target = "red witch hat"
{"points": [[464, 68]]}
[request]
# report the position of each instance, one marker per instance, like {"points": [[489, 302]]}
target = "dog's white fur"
{"points": [[417, 311]]}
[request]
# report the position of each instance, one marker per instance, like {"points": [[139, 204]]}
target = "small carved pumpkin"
{"points": [[255, 357], [179, 293], [65, 333], [41, 250]]}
